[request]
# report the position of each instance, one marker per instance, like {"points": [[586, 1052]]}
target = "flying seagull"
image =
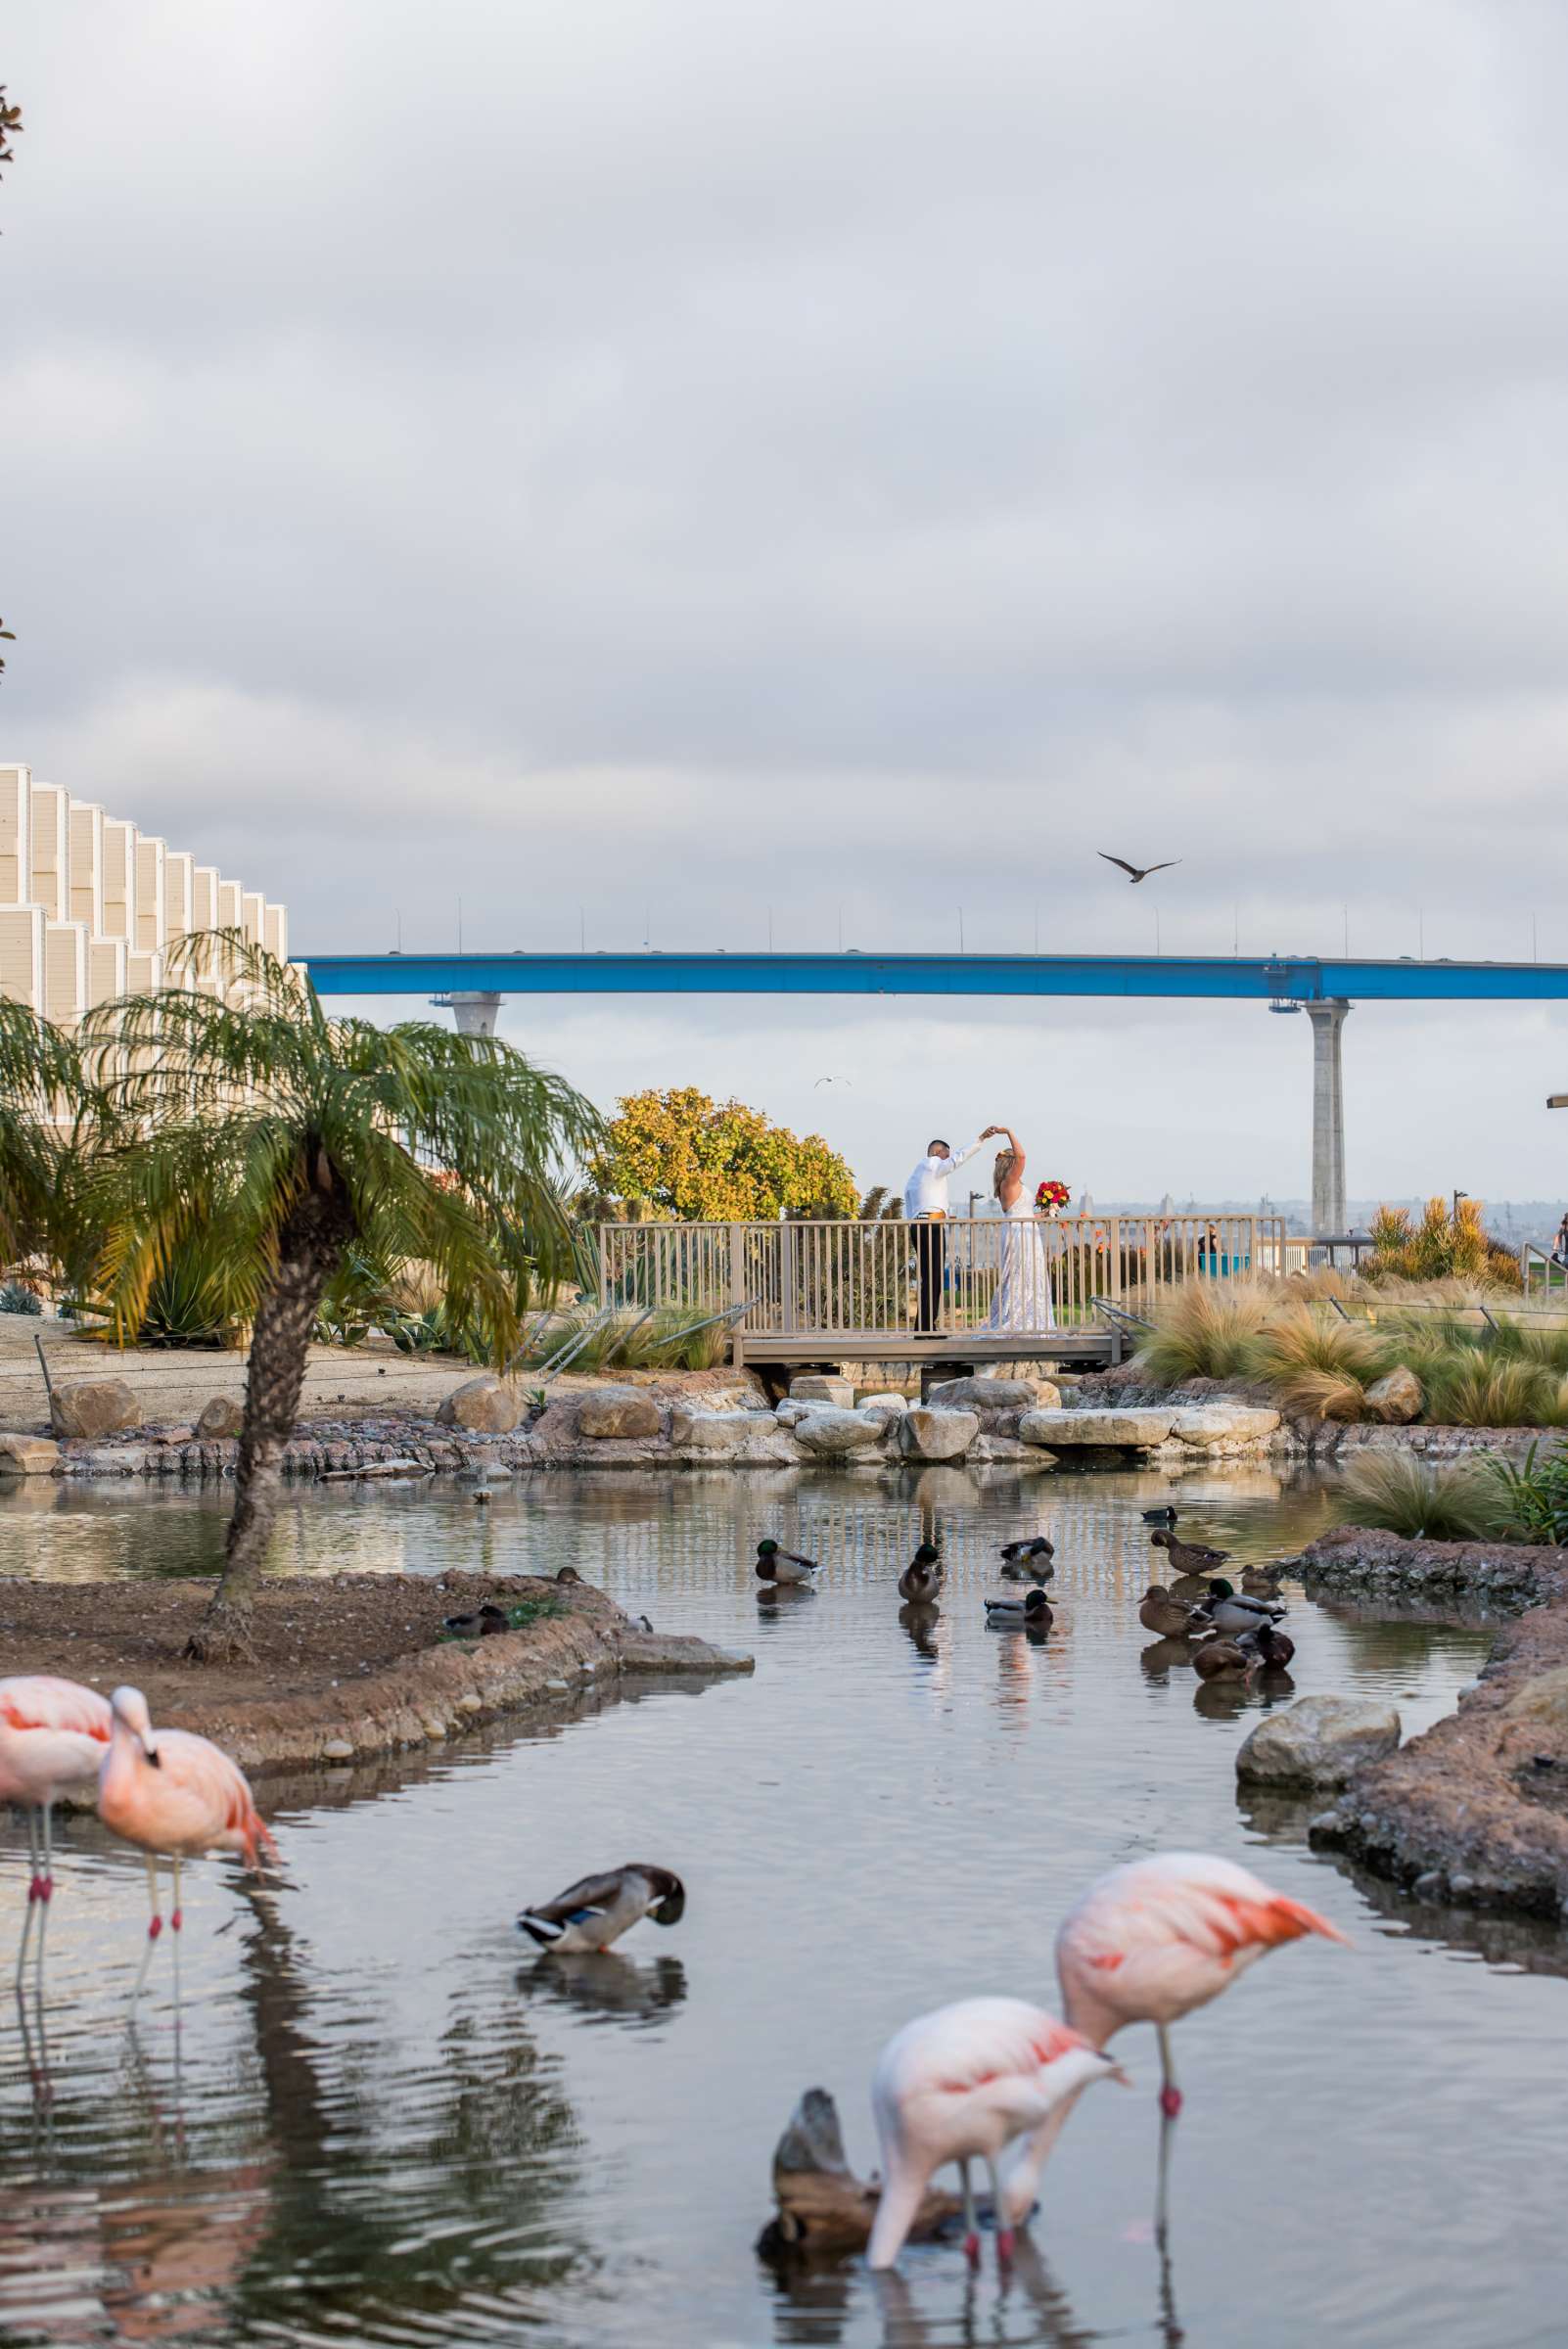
{"points": [[1133, 872]]}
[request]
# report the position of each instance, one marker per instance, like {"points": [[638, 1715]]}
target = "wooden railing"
{"points": [[843, 1279]]}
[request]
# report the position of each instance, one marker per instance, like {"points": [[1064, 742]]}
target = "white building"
{"points": [[90, 906]]}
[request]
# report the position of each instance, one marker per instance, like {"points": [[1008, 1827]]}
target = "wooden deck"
{"points": [[1091, 1348]]}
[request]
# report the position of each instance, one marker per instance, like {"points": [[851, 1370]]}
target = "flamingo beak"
{"points": [[153, 1754]]}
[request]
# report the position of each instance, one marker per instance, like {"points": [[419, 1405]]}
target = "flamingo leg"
{"points": [[1170, 2093], [971, 2223], [46, 1886], [1005, 2242], [152, 1931], [32, 1895]]}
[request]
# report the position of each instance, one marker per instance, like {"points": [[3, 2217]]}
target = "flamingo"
{"points": [[1153, 1940], [961, 2084], [1147, 1944], [177, 1794], [52, 1735]]}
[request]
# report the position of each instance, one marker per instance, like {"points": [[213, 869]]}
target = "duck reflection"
{"points": [[1162, 1657], [920, 1624], [607, 1985]]}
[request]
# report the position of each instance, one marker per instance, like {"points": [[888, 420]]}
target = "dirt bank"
{"points": [[1475, 1811], [348, 1666]]}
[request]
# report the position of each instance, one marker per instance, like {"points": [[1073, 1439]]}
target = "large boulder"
{"points": [[220, 1419], [988, 1395], [1128, 1431], [1317, 1741], [1543, 1700], [722, 1432], [1223, 1427], [623, 1412], [1396, 1397], [29, 1455], [925, 1434], [482, 1406], [820, 1386], [887, 1403], [828, 1432], [95, 1406]]}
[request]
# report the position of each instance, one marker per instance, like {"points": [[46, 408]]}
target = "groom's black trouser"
{"points": [[930, 1265]]}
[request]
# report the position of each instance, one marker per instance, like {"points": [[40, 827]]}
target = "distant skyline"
{"points": [[654, 474]]}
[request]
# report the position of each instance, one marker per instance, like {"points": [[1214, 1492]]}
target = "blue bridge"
{"points": [[1324, 988]]}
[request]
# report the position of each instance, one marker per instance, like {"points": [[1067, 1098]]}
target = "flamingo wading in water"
{"points": [[1153, 1940], [961, 2084], [176, 1795], [52, 1737]]}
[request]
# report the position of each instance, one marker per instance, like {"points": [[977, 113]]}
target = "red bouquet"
{"points": [[1052, 1198]]}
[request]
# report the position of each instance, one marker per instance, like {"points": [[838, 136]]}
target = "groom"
{"points": [[924, 1206]]}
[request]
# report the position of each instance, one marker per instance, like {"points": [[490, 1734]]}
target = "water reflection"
{"points": [[607, 1985]]}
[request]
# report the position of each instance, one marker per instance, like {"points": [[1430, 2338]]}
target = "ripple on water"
{"points": [[385, 2118]]}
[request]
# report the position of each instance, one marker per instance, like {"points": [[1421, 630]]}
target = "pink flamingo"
{"points": [[964, 2083], [1147, 1944], [53, 1737], [177, 1794]]}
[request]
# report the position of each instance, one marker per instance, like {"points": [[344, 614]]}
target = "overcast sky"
{"points": [[681, 459]]}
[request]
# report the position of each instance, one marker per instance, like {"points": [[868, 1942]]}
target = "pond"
{"points": [[386, 2118]]}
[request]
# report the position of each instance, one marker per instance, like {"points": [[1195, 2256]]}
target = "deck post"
{"points": [[737, 1291], [604, 1265]]}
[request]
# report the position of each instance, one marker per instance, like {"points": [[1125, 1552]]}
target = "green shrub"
{"points": [[16, 1298], [1531, 1495], [1405, 1495], [1319, 1365], [1206, 1329]]}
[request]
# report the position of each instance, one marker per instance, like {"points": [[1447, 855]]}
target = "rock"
{"points": [[95, 1406], [925, 1434], [816, 1386], [482, 1406], [1317, 1741], [832, 1432], [790, 1414], [714, 1431], [1062, 1429], [620, 1412], [398, 1467], [29, 1455], [221, 1420], [1223, 1426], [986, 1395], [1396, 1397], [1544, 1699], [888, 1404]]}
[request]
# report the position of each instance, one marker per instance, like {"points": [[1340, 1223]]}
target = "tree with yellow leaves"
{"points": [[707, 1162]]}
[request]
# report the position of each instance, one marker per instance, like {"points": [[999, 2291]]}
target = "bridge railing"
{"points": [[843, 1279]]}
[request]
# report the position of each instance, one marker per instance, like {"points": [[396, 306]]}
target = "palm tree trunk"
{"points": [[310, 1245]]}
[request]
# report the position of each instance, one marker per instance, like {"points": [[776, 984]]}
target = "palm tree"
{"points": [[50, 1115], [295, 1137]]}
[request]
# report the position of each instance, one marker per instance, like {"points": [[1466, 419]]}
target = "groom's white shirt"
{"points": [[925, 1191]]}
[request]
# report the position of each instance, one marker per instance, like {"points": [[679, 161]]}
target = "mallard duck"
{"points": [[775, 1565], [1261, 1581], [1188, 1558], [1031, 1607], [568, 1573], [1224, 1660], [1165, 1615], [1028, 1561], [1275, 1649], [490, 1620], [921, 1580], [1229, 1611], [1165, 1516], [597, 1910]]}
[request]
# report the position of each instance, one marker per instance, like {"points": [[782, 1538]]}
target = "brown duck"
{"points": [[1226, 1659], [1187, 1557], [1165, 1617]]}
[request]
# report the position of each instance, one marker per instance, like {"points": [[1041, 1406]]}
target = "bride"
{"points": [[1023, 1300]]}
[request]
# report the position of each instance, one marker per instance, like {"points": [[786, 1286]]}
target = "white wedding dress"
{"points": [[1023, 1300]]}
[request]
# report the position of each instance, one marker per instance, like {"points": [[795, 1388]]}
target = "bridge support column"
{"points": [[1329, 1211], [476, 1015]]}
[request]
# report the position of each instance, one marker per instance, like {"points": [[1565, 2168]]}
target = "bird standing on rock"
{"points": [[775, 1565], [961, 2085], [53, 1735], [1188, 1558], [596, 1910], [176, 1796]]}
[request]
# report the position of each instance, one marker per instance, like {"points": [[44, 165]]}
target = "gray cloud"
{"points": [[678, 460]]}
